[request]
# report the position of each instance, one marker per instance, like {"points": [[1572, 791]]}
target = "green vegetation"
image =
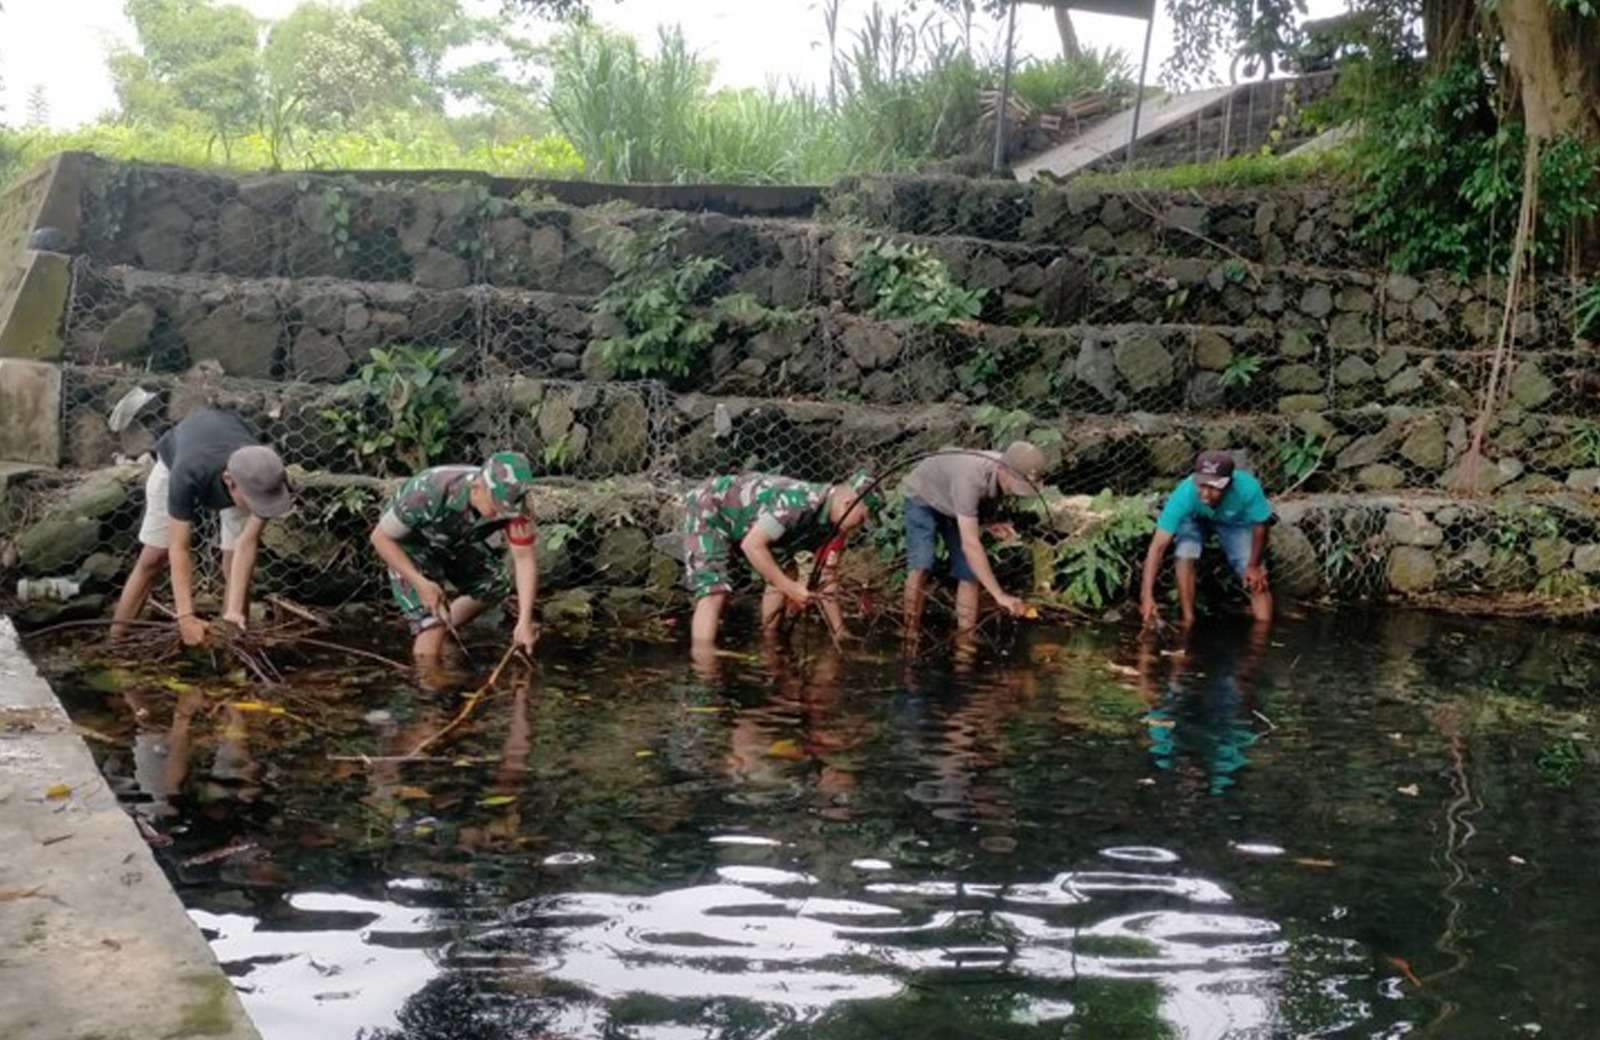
{"points": [[653, 295], [1006, 426], [1240, 371], [910, 282], [1093, 569], [1242, 171], [1559, 763], [398, 414], [1044, 84], [1300, 456]]}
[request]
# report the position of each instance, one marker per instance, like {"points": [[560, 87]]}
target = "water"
{"points": [[1370, 826]]}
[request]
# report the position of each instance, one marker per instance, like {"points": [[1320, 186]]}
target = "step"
{"points": [[1273, 225], [596, 430], [319, 330], [612, 538]]}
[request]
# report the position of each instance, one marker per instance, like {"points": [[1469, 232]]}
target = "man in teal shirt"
{"points": [[1213, 499]]}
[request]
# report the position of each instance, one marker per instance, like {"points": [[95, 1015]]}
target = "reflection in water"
{"points": [[1205, 715], [779, 844]]}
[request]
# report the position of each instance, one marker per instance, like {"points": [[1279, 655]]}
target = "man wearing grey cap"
{"points": [[211, 460], [943, 497], [1215, 499]]}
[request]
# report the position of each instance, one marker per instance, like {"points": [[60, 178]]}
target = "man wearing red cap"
{"points": [[1217, 499], [210, 461]]}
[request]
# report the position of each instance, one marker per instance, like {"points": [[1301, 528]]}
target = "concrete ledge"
{"points": [[30, 412], [97, 943]]}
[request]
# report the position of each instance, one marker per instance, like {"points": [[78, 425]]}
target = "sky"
{"points": [[753, 41]]}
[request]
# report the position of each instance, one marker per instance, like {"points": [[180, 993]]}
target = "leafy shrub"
{"points": [[1442, 178], [1043, 84], [652, 295], [910, 282], [399, 410], [1094, 568]]}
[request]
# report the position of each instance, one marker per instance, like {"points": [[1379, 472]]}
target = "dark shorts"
{"points": [[924, 524]]}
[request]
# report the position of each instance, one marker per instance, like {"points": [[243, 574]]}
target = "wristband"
{"points": [[524, 540]]}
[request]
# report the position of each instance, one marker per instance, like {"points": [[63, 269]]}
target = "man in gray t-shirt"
{"points": [[944, 496], [211, 461]]}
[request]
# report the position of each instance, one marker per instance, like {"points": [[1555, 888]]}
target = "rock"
{"points": [[623, 556], [1353, 371], [1350, 331], [1096, 367], [1586, 559], [1374, 447], [1550, 554], [1491, 475], [556, 417], [755, 368], [568, 607], [126, 337], [1298, 378], [871, 345], [1380, 477], [1302, 403], [1143, 362], [56, 545], [1212, 350], [1296, 343], [1186, 218], [1530, 387], [771, 346], [1408, 528], [1406, 381], [241, 336], [1315, 424], [1584, 480], [1425, 310], [95, 499], [1392, 361], [1317, 301], [164, 243], [1206, 392], [1172, 455], [100, 572], [356, 317], [621, 442], [1411, 569], [1353, 298], [437, 269], [90, 441], [1402, 289], [319, 356], [1295, 569], [1424, 447], [927, 379]]}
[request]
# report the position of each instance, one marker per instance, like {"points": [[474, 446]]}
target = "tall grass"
{"points": [[1045, 84], [396, 145], [903, 91]]}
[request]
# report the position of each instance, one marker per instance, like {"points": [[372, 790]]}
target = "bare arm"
{"points": [[757, 548], [243, 569], [390, 552], [1152, 566], [525, 565], [977, 557], [178, 536]]}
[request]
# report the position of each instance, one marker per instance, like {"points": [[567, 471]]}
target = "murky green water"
{"points": [[1361, 827]]}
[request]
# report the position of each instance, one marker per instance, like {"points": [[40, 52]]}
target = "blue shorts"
{"points": [[923, 524], [1236, 540]]}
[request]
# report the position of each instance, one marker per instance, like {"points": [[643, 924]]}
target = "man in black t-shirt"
{"points": [[211, 460]]}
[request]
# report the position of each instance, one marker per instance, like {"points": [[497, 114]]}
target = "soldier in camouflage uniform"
{"points": [[761, 513], [455, 524]]}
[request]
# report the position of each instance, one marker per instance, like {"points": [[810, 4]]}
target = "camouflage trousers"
{"points": [[477, 570]]}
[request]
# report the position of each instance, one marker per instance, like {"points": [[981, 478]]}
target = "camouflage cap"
{"points": [[509, 477], [865, 486]]}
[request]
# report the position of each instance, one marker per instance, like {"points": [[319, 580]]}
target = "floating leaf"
{"points": [[1320, 864], [643, 753], [412, 794], [57, 791], [496, 799], [1409, 790], [786, 749], [700, 710], [179, 687]]}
